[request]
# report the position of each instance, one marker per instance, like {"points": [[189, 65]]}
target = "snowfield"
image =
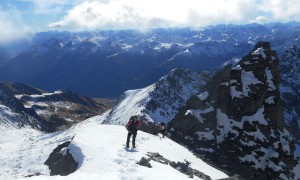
{"points": [[99, 151]]}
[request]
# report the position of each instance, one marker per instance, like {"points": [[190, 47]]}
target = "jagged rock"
{"points": [[237, 120], [180, 166], [145, 162], [61, 163]]}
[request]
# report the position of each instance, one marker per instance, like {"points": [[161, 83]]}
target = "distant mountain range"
{"points": [[106, 63]]}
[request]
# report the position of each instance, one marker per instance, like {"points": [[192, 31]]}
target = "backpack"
{"points": [[132, 125]]}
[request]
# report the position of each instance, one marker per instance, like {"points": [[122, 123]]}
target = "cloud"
{"points": [[260, 20], [120, 14], [282, 10], [11, 26]]}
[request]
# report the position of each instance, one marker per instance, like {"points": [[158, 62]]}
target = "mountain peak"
{"points": [[160, 101], [241, 119]]}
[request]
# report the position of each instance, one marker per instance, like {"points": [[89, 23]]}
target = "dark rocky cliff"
{"points": [[237, 122]]}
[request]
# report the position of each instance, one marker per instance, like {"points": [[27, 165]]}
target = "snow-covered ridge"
{"points": [[158, 102], [99, 151]]}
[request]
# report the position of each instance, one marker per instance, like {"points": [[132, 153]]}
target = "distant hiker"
{"points": [[132, 128], [162, 128]]}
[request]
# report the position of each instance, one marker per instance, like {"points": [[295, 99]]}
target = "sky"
{"points": [[19, 17]]}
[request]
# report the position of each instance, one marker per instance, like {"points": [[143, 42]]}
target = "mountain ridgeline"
{"points": [[237, 121], [23, 105], [107, 63]]}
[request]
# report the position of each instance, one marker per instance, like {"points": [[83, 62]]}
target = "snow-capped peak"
{"points": [[158, 102]]}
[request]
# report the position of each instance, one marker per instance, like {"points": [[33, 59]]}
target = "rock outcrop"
{"points": [[60, 161], [182, 167], [237, 122]]}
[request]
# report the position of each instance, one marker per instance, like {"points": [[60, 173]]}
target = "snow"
{"points": [[163, 46], [225, 125], [197, 112], [224, 83], [189, 112], [132, 103], [206, 149], [247, 79], [8, 118], [166, 97], [296, 170], [264, 161], [203, 96], [126, 47], [99, 150], [270, 100], [19, 96], [249, 143], [270, 83], [260, 51], [238, 68]]}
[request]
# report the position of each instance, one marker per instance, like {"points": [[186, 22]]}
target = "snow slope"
{"points": [[158, 102], [99, 150]]}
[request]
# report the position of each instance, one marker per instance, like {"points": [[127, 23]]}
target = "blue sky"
{"points": [[18, 17]]}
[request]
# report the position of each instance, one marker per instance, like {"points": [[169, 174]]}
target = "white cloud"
{"points": [[260, 20], [11, 26], [118, 14], [282, 10]]}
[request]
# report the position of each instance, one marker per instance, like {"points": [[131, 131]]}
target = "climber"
{"points": [[162, 128], [132, 128]]}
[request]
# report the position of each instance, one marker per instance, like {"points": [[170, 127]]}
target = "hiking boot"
{"points": [[127, 146]]}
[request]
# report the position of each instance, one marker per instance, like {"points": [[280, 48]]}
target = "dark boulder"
{"points": [[61, 162]]}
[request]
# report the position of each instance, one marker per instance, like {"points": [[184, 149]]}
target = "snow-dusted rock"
{"points": [[158, 102], [241, 126]]}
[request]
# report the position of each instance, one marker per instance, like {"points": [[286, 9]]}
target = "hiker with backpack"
{"points": [[132, 128], [162, 128]]}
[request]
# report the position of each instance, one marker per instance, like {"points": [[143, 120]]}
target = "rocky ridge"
{"points": [[237, 122], [23, 105], [158, 102]]}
